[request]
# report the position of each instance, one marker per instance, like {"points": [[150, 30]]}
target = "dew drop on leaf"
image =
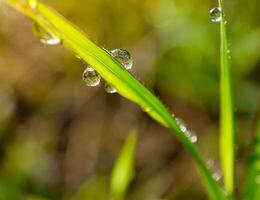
{"points": [[124, 57], [110, 89], [181, 124], [192, 136], [217, 176], [44, 36], [91, 77], [216, 14]]}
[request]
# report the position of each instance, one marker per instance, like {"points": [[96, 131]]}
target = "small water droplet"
{"points": [[191, 135], [216, 14], [193, 138], [217, 176], [257, 179], [77, 56], [124, 57], [110, 89], [181, 124], [33, 3], [91, 77], [44, 36]]}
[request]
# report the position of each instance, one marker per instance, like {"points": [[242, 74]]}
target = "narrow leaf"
{"points": [[252, 187], [123, 171], [227, 134]]}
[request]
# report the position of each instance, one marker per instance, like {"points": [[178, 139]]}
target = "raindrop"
{"points": [[91, 77], [33, 3], [181, 124], [216, 14], [110, 89], [124, 57], [44, 36]]}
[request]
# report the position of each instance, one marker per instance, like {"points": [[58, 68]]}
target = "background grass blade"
{"points": [[227, 134], [123, 171], [252, 187], [113, 72]]}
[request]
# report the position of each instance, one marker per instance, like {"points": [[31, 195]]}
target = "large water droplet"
{"points": [[216, 14], [44, 36], [91, 77], [109, 88], [33, 3], [124, 57]]}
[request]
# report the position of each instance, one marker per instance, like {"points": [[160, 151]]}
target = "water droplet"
{"points": [[44, 36], [124, 57], [91, 77], [77, 56], [216, 14], [217, 176], [33, 3], [191, 135], [110, 89], [181, 124], [193, 138], [257, 179]]}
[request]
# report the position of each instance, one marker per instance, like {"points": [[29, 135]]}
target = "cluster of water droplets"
{"points": [[190, 134], [92, 78]]}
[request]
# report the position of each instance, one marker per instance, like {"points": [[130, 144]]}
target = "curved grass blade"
{"points": [[113, 72], [252, 186], [227, 133], [123, 171]]}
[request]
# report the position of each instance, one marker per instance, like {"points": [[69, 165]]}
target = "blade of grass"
{"points": [[113, 72], [252, 186], [227, 133], [123, 171]]}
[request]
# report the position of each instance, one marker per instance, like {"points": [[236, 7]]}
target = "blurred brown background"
{"points": [[59, 139]]}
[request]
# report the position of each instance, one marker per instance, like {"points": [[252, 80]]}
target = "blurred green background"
{"points": [[59, 139]]}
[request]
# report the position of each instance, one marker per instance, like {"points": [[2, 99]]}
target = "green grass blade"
{"points": [[123, 171], [227, 133], [252, 186], [113, 72]]}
